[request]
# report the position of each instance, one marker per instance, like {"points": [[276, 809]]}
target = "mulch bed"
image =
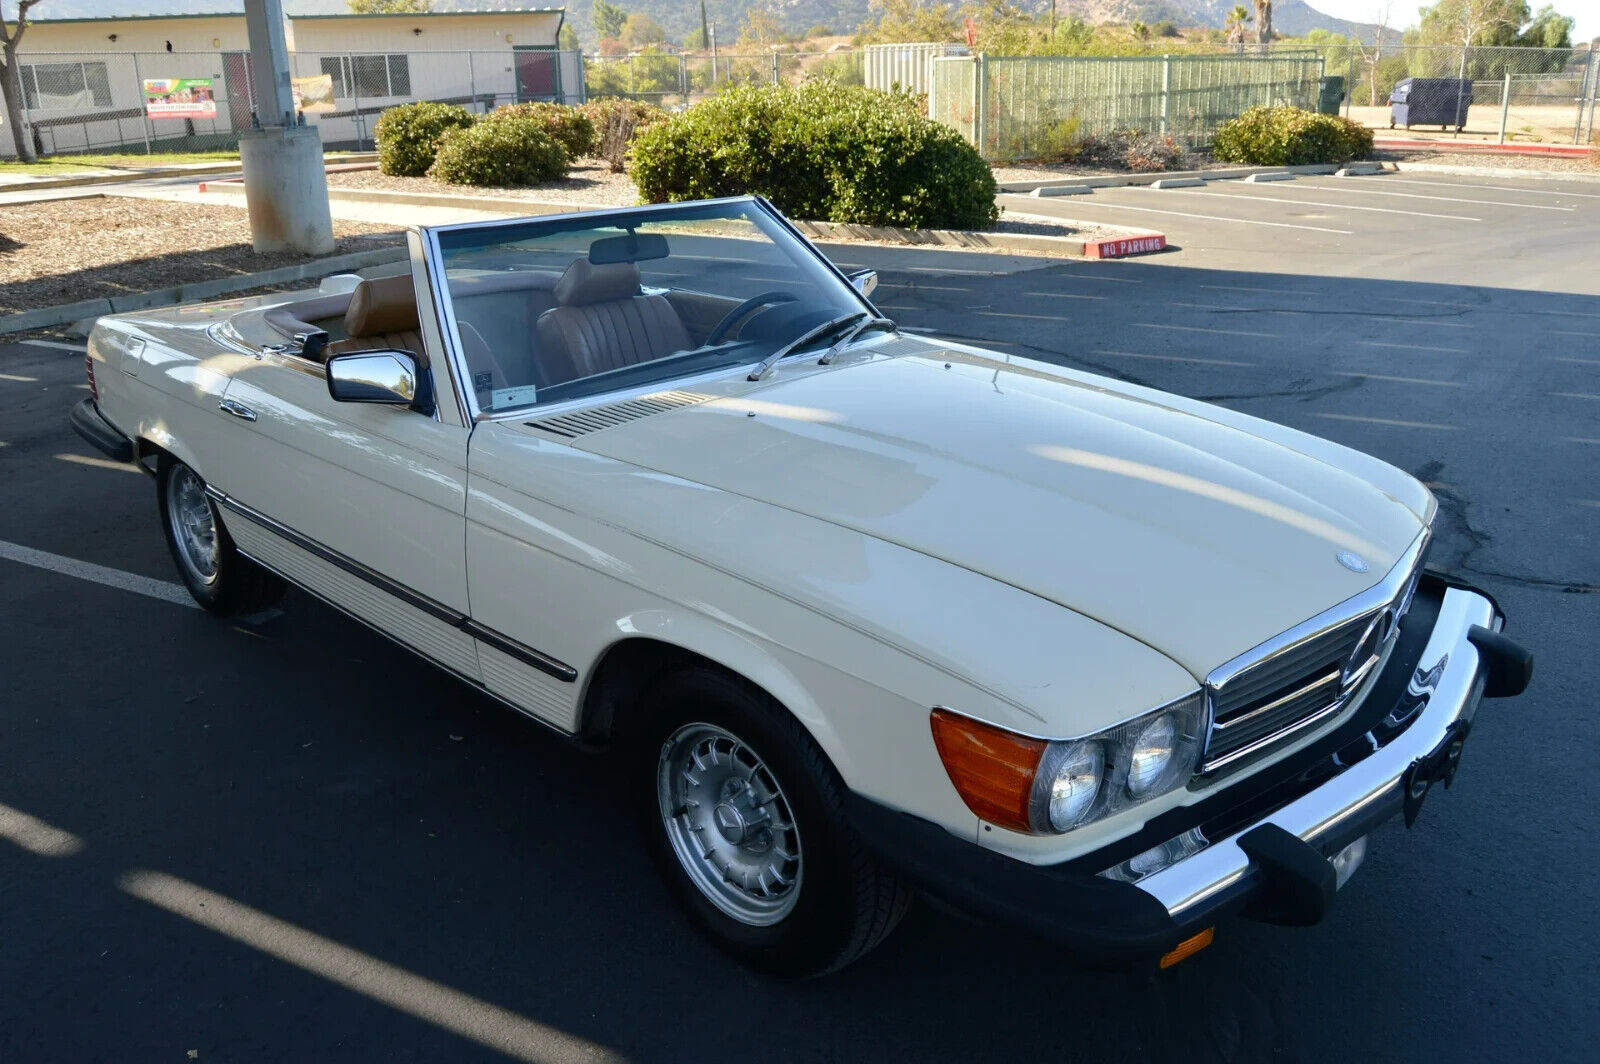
{"points": [[63, 251], [589, 182]]}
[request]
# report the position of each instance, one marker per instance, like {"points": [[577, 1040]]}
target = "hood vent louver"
{"points": [[582, 422]]}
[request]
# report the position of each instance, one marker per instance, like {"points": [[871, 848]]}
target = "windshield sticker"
{"points": [[522, 396]]}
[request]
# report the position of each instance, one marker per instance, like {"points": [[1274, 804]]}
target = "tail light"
{"points": [[88, 369]]}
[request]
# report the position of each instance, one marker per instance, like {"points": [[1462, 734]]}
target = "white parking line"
{"points": [[1366, 190], [1220, 218], [1064, 295], [98, 574], [1580, 439], [1389, 421], [1245, 288], [1575, 395], [1198, 329], [1413, 347], [1493, 188], [19, 380], [79, 348], [1030, 317], [1579, 361], [1401, 380], [460, 1013], [1172, 358], [1336, 206], [1397, 319]]}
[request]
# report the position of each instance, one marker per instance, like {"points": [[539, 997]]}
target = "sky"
{"points": [[1404, 12]]}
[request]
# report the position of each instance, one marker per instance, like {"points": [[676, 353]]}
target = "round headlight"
{"points": [[1152, 753], [1075, 782]]}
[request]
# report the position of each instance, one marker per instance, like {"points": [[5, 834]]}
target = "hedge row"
{"points": [[1289, 136], [819, 150]]}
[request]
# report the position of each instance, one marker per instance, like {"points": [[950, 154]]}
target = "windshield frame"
{"points": [[433, 257]]}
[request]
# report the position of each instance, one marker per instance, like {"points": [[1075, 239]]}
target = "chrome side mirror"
{"points": [[865, 281], [374, 377]]}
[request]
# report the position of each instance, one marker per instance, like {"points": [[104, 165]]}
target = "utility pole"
{"points": [[285, 185]]}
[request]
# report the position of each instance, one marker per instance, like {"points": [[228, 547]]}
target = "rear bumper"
{"points": [[1272, 835], [88, 422]]}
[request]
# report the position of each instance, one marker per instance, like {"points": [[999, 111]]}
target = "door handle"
{"points": [[228, 406]]}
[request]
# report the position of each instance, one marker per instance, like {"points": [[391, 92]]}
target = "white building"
{"points": [[82, 79]]}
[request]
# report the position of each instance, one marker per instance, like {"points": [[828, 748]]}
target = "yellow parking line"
{"points": [[98, 463]]}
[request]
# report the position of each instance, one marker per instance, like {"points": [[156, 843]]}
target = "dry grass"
{"points": [[62, 251], [589, 182]]}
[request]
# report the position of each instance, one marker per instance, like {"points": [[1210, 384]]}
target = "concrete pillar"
{"points": [[286, 190], [285, 185]]}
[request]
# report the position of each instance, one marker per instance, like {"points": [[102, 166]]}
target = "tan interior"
{"points": [[602, 321], [382, 316]]}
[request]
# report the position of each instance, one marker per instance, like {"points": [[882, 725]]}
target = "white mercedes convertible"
{"points": [[866, 613]]}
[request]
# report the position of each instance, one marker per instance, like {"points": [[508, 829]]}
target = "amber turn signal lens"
{"points": [[992, 768], [1188, 947]]}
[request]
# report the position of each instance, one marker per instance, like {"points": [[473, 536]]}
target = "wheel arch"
{"points": [[627, 667]]}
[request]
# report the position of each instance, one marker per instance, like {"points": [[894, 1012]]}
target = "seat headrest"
{"points": [[382, 305], [586, 283]]}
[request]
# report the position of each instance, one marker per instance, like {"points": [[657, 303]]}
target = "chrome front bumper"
{"points": [[1447, 683]]}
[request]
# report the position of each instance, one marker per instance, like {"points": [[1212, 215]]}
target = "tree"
{"points": [[760, 27], [1235, 23], [1380, 18], [11, 79], [1140, 30], [607, 18], [911, 20], [390, 7], [1472, 22], [640, 30], [1547, 30], [567, 39], [1263, 21]]}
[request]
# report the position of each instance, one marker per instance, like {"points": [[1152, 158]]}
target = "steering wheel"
{"points": [[734, 316]]}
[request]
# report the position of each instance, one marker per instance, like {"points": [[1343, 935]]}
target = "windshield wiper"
{"points": [[804, 338], [845, 340]]}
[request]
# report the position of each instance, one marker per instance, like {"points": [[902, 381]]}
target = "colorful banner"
{"points": [[179, 98], [314, 94]]}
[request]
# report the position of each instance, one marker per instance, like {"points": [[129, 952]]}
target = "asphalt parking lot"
{"points": [[288, 840]]}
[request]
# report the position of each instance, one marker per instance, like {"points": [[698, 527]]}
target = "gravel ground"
{"points": [[590, 183], [1493, 160], [62, 251]]}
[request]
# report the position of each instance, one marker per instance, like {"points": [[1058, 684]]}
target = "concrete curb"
{"points": [[1121, 180], [953, 239], [1495, 171], [67, 313], [121, 177]]}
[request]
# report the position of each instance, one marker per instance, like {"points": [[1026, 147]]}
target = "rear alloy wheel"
{"points": [[744, 817], [216, 574]]}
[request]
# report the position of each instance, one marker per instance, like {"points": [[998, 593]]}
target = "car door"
{"points": [[363, 504]]}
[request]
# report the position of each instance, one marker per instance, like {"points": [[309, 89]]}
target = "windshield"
{"points": [[548, 311]]}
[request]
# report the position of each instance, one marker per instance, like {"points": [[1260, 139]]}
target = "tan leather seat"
{"points": [[601, 321], [382, 317]]}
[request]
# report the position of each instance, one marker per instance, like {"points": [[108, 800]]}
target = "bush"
{"points": [[1148, 153], [408, 136], [616, 122], [1289, 136], [502, 149], [570, 126], [819, 150]]}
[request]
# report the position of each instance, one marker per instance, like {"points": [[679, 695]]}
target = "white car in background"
{"points": [[865, 611]]}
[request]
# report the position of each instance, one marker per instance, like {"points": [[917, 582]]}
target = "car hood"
{"points": [[1197, 531]]}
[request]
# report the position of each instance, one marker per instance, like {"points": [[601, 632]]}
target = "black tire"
{"points": [[847, 901], [238, 586]]}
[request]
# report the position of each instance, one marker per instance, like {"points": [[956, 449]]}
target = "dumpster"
{"points": [[1438, 102], [1331, 94]]}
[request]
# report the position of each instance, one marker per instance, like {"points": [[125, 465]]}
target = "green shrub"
{"points": [[1289, 136], [616, 121], [570, 126], [408, 135], [504, 149], [819, 150]]}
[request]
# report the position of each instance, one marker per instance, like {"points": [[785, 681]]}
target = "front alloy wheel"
{"points": [[216, 574], [729, 824], [744, 817]]}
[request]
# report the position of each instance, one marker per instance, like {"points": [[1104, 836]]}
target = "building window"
{"points": [[65, 86], [368, 75]]}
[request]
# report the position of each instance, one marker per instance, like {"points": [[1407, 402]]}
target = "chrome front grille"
{"points": [[1307, 674]]}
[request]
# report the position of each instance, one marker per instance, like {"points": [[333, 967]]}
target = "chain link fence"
{"points": [[675, 80], [1510, 95], [95, 101]]}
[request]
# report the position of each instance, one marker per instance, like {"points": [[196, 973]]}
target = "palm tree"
{"points": [[1235, 23], [1263, 21]]}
